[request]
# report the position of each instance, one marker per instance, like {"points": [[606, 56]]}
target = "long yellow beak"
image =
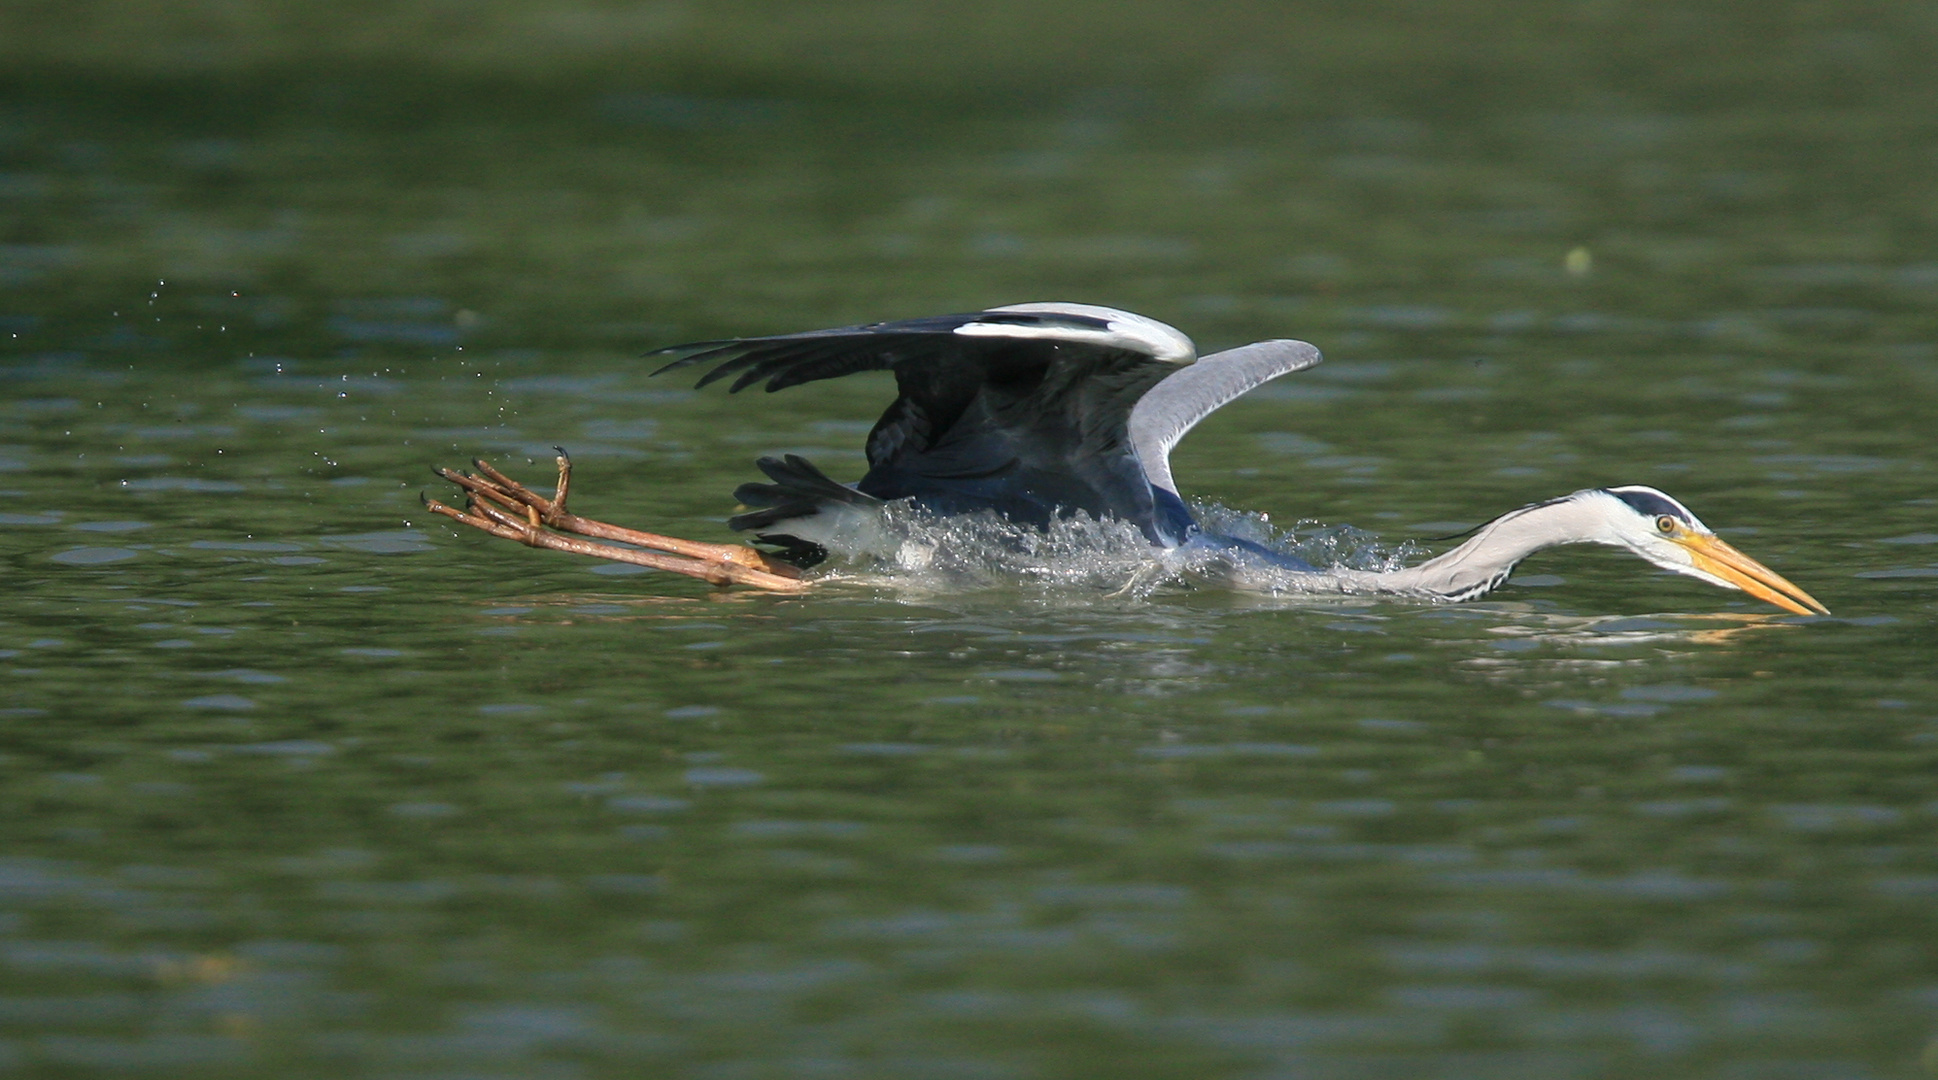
{"points": [[1712, 556]]}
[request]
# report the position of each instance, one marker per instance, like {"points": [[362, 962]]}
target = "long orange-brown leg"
{"points": [[503, 507]]}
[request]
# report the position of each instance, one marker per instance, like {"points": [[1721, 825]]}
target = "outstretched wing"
{"points": [[965, 378], [1175, 405], [786, 360]]}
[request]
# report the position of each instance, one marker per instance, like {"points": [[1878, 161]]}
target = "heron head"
{"points": [[1665, 532]]}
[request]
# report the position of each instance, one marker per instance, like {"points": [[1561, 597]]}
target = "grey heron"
{"points": [[1045, 410]]}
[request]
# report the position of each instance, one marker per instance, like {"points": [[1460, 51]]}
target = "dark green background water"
{"points": [[299, 782]]}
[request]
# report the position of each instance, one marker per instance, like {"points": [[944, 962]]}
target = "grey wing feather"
{"points": [[1174, 406]]}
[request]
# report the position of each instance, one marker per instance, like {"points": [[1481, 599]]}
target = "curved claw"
{"points": [[505, 508]]}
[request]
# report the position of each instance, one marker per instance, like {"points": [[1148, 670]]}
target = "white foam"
{"points": [[911, 550]]}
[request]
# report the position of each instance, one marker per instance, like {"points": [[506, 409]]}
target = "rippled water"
{"points": [[297, 779]]}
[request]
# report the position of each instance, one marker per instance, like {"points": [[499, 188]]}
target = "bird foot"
{"points": [[503, 507]]}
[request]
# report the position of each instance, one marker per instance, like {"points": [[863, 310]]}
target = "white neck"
{"points": [[1483, 562]]}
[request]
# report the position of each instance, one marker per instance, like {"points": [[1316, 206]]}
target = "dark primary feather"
{"points": [[790, 359]]}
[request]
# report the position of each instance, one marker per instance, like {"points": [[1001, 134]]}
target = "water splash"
{"points": [[907, 548]]}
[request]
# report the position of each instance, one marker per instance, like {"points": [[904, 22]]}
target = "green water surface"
{"points": [[298, 780]]}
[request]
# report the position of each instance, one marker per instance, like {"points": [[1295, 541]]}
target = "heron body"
{"points": [[1045, 410]]}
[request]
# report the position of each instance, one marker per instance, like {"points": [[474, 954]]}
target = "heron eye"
{"points": [[1665, 524]]}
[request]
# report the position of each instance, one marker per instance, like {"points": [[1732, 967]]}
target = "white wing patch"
{"points": [[1121, 329]]}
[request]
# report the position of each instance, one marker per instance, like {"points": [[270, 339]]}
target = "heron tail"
{"points": [[777, 512]]}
